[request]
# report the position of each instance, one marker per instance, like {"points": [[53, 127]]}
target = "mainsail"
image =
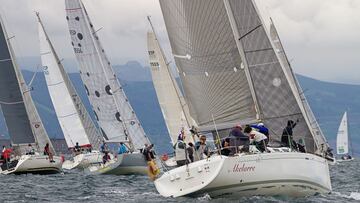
{"points": [[167, 91], [75, 122], [234, 72], [342, 140], [112, 109], [211, 70], [22, 119]]}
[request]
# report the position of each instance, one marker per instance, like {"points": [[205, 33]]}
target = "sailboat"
{"points": [[75, 122], [113, 112], [342, 140], [232, 73], [27, 132]]}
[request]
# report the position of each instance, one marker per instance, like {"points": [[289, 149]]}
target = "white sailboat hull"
{"points": [[286, 173], [36, 164], [124, 164], [82, 161]]}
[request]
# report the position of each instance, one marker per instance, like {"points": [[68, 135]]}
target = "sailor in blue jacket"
{"points": [[122, 148]]}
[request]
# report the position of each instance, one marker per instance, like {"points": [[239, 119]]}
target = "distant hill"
{"points": [[328, 101]]}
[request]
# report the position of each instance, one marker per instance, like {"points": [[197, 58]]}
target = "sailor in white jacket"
{"points": [[256, 138]]}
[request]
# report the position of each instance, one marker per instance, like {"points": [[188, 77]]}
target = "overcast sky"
{"points": [[322, 38]]}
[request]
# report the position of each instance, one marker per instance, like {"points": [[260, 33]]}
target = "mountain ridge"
{"points": [[328, 101]]}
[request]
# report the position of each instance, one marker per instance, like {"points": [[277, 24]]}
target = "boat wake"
{"points": [[352, 195], [205, 197], [355, 195]]}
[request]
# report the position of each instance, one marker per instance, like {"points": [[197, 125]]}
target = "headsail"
{"points": [[318, 134], [74, 120], [342, 140], [167, 91], [112, 109], [234, 70], [22, 119]]}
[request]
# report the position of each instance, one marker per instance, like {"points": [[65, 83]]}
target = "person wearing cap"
{"points": [[256, 138]]}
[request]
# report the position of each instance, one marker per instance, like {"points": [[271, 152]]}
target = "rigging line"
{"points": [[265, 49], [4, 60], [295, 114], [11, 103], [67, 115], [250, 31], [49, 85], [263, 64], [33, 77]]}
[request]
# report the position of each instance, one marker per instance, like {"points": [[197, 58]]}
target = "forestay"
{"points": [[167, 91], [342, 140], [112, 110], [22, 119], [234, 71], [74, 120], [211, 70]]}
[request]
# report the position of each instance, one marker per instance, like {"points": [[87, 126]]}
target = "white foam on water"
{"points": [[355, 195], [206, 197]]}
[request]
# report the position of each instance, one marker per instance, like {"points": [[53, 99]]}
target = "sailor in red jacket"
{"points": [[7, 154]]}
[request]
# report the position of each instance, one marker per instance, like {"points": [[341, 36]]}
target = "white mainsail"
{"points": [[342, 139], [113, 112], [22, 118], [167, 91], [73, 118]]}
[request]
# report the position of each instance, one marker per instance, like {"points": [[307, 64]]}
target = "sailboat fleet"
{"points": [[233, 72]]}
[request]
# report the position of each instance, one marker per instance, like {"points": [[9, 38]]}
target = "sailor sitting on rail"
{"points": [[256, 137]]}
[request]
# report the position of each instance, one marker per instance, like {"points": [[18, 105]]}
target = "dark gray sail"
{"points": [[22, 119], [207, 57], [320, 137], [11, 99]]}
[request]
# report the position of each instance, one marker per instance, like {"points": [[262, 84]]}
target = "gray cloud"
{"points": [[322, 37]]}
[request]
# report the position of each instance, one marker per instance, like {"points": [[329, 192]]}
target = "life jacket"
{"points": [[180, 151]]}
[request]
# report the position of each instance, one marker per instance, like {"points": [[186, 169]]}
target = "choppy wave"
{"points": [[78, 187]]}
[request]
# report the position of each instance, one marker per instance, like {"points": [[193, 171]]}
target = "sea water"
{"points": [[78, 187]]}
